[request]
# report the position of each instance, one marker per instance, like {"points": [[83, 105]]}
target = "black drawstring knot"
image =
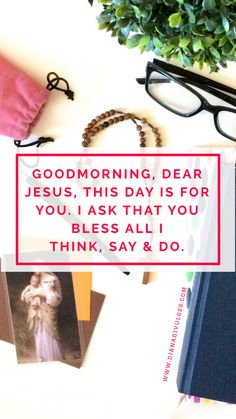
{"points": [[53, 81], [38, 142], [43, 140]]}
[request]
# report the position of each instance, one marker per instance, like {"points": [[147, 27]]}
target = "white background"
{"points": [[121, 376]]}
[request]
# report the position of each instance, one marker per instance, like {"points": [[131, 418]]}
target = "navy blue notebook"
{"points": [[207, 365]]}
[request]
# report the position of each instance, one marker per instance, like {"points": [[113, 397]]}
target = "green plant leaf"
{"points": [[133, 41], [125, 31], [202, 20], [175, 20], [225, 24], [137, 12], [197, 45], [214, 52], [208, 4], [211, 25], [149, 46], [233, 50], [183, 59], [102, 25], [123, 23], [144, 40], [167, 49], [186, 61], [227, 48], [199, 31], [222, 41], [219, 30], [183, 43], [121, 11], [207, 42], [157, 43], [142, 49], [188, 7]]}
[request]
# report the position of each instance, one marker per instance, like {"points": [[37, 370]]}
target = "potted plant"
{"points": [[192, 31]]}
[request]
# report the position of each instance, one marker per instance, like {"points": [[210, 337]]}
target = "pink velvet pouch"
{"points": [[22, 100]]}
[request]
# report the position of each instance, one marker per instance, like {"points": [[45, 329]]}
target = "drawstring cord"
{"points": [[53, 81], [38, 142]]}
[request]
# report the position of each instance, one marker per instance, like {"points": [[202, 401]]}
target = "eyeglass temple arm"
{"points": [[209, 82], [192, 76], [141, 80], [205, 87]]}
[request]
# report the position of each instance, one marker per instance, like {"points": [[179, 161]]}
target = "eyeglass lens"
{"points": [[178, 98], [226, 120], [172, 94]]}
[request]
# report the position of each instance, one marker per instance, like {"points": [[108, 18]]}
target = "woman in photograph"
{"points": [[45, 325]]}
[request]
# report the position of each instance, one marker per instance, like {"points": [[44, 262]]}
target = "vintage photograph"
{"points": [[43, 316]]}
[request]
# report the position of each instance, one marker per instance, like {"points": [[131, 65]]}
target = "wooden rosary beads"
{"points": [[112, 117]]}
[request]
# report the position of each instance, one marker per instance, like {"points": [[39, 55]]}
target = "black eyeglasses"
{"points": [[186, 101]]}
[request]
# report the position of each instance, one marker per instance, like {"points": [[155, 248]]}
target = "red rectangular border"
{"points": [[216, 263]]}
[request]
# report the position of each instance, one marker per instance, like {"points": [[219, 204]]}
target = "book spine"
{"points": [[6, 329], [192, 332]]}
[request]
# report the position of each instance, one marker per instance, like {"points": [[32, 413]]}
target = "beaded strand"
{"points": [[111, 117], [108, 118]]}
